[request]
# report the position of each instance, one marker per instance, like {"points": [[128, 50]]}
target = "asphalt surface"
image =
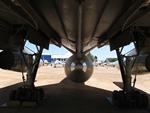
{"points": [[64, 96]]}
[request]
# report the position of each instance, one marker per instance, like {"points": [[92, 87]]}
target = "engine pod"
{"points": [[6, 59], [79, 70]]}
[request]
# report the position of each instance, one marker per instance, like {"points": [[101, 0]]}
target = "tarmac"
{"points": [[64, 96]]}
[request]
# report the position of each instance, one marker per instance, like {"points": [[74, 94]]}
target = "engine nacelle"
{"points": [[6, 59], [79, 70], [13, 60], [142, 64]]}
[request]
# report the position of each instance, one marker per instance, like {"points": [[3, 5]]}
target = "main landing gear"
{"points": [[28, 92], [129, 97]]}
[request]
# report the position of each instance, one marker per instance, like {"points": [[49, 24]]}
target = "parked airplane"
{"points": [[79, 26]]}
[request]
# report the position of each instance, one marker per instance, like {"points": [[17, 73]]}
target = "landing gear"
{"points": [[128, 97], [78, 69], [25, 94], [29, 93], [132, 99]]}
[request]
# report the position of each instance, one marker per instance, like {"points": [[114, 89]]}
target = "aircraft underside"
{"points": [[79, 26]]}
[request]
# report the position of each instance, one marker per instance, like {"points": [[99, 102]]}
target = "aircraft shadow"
{"points": [[4, 92], [69, 97]]}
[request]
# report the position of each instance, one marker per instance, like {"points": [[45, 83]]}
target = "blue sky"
{"points": [[102, 53]]}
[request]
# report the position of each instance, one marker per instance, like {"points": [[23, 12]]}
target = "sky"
{"points": [[102, 53]]}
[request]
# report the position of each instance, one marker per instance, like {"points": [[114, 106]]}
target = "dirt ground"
{"points": [[63, 96]]}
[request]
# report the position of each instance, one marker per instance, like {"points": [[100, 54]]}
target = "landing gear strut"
{"points": [[128, 97], [29, 93]]}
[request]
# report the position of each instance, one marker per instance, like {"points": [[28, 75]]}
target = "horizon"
{"points": [[102, 53]]}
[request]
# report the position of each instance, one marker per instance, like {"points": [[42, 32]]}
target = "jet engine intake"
{"points": [[79, 69]]}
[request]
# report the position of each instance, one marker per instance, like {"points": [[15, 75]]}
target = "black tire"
{"points": [[122, 103], [39, 95], [145, 100], [12, 95], [147, 63]]}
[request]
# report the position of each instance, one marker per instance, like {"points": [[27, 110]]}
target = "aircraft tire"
{"points": [[147, 63], [133, 99]]}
